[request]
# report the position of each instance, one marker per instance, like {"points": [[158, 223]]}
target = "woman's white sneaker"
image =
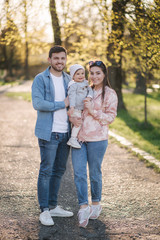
{"points": [[84, 215], [46, 219], [96, 210]]}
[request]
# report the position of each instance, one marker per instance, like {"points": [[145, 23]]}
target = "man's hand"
{"points": [[66, 101]]}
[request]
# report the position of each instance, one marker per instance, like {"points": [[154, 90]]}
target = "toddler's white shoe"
{"points": [[73, 142]]}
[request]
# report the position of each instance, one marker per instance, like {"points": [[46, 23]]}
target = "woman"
{"points": [[97, 115]]}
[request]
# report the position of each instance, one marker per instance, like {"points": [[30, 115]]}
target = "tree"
{"points": [[55, 23], [26, 65], [140, 80], [10, 40], [140, 20], [82, 33], [143, 14], [32, 31], [145, 41], [115, 47], [113, 28]]}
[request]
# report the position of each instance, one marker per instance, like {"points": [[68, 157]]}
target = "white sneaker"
{"points": [[59, 212], [96, 210], [84, 215], [45, 218], [73, 142]]}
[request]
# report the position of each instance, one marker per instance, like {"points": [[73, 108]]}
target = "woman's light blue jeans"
{"points": [[54, 155], [91, 153]]}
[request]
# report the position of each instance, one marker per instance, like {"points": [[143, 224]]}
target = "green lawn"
{"points": [[130, 123], [20, 95]]}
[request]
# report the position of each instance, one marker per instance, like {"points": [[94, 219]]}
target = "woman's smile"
{"points": [[96, 76]]}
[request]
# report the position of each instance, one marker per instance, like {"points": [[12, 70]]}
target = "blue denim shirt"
{"points": [[43, 100]]}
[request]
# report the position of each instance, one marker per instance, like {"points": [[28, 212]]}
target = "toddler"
{"points": [[78, 90]]}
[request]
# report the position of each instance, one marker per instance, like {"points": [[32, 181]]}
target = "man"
{"points": [[49, 97]]}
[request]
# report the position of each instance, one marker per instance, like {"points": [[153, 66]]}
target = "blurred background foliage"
{"points": [[122, 33]]}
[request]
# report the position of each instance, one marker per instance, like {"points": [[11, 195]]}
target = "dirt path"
{"points": [[131, 192]]}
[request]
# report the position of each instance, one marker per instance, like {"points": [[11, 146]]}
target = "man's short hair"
{"points": [[57, 49]]}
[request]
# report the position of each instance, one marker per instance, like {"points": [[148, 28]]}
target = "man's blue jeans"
{"points": [[93, 153], [54, 155]]}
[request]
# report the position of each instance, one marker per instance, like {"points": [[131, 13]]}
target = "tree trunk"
{"points": [[26, 61], [115, 77], [26, 67], [140, 83], [140, 80], [145, 107], [7, 54], [55, 23], [114, 56]]}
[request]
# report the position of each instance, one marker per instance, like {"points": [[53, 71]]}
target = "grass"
{"points": [[2, 83], [130, 123], [20, 95]]}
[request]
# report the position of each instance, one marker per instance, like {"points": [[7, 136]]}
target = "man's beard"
{"points": [[57, 69]]}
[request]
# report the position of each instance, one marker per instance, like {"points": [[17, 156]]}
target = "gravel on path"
{"points": [[130, 197]]}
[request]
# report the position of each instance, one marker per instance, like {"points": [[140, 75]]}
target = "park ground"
{"points": [[130, 197]]}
